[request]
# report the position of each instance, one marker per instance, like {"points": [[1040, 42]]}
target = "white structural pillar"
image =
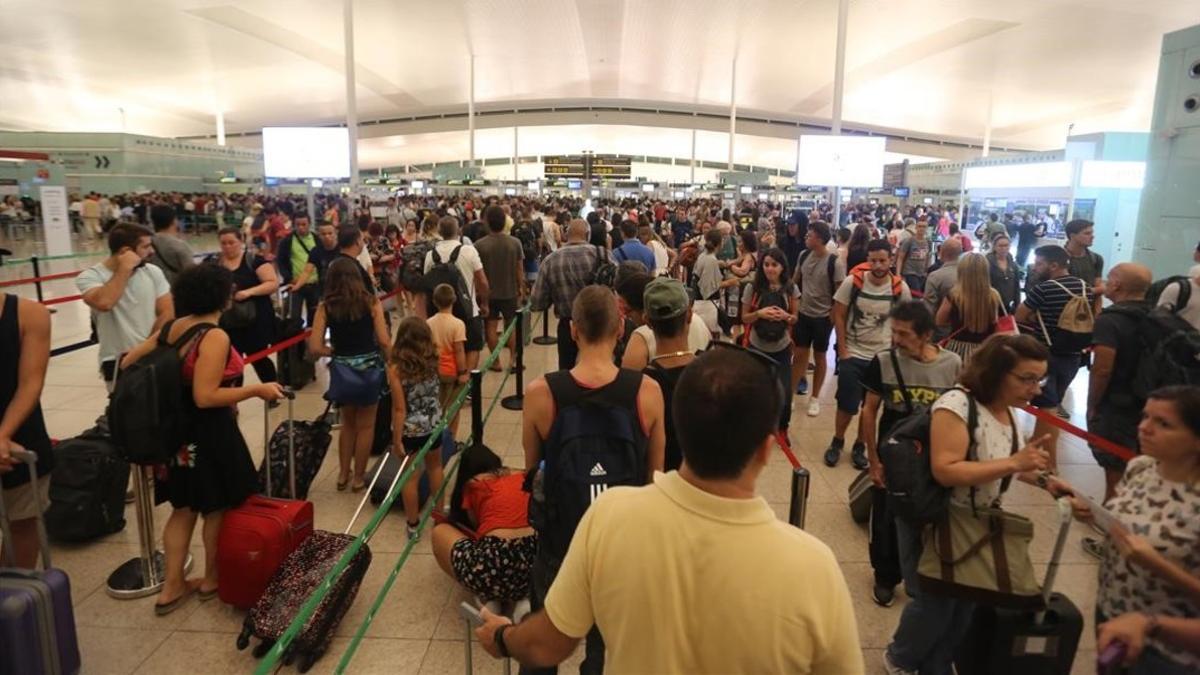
{"points": [[732, 110], [516, 155], [351, 90], [692, 164], [987, 130], [471, 109], [220, 128], [839, 83]]}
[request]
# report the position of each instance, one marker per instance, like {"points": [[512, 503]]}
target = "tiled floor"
{"points": [[418, 630]]}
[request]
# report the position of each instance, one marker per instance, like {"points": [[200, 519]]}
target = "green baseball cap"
{"points": [[665, 298]]}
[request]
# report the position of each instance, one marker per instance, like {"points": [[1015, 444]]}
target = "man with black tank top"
{"points": [[559, 409], [25, 344], [668, 313]]}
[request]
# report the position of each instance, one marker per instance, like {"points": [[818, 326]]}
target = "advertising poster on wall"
{"points": [[56, 220]]}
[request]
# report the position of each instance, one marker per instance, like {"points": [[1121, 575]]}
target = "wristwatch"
{"points": [[499, 638], [1151, 624]]}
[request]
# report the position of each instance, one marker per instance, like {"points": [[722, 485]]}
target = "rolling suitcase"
{"points": [[860, 497], [296, 580], [1004, 641], [297, 448], [87, 487], [295, 369], [255, 539], [382, 441], [389, 471], [37, 620]]}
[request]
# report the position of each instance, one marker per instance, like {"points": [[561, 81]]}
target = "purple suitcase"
{"points": [[37, 621]]}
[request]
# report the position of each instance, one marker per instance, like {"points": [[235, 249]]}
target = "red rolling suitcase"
{"points": [[295, 582], [257, 536], [37, 621]]}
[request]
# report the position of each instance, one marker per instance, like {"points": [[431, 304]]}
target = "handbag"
{"points": [[1006, 324], [240, 315], [354, 386], [981, 554]]}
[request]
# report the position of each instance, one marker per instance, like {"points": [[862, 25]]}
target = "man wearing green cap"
{"points": [[668, 313], [673, 303]]}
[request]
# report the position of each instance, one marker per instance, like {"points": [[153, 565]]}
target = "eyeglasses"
{"points": [[1039, 380]]}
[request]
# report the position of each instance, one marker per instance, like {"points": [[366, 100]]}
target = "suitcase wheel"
{"points": [[305, 661], [262, 648], [243, 640]]}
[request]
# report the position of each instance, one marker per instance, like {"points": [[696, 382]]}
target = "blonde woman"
{"points": [[972, 307]]}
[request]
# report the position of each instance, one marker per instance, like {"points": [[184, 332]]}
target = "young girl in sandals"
{"points": [[413, 377]]}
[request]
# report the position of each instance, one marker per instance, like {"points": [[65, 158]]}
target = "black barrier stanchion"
{"points": [[37, 278], [517, 400], [477, 406], [545, 339], [799, 505]]}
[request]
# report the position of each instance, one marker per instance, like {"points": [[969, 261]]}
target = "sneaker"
{"points": [[412, 531], [814, 407], [1062, 412], [893, 669], [858, 456], [834, 452], [883, 595], [1093, 546], [802, 388]]}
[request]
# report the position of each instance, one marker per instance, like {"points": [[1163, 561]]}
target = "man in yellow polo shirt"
{"points": [[694, 573]]}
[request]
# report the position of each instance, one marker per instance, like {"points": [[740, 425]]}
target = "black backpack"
{"points": [[525, 234], [912, 491], [87, 487], [1169, 349], [447, 272], [770, 331], [149, 413], [605, 272], [1185, 291], [595, 443], [412, 269], [830, 259]]}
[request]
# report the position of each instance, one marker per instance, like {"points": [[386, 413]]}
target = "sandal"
{"points": [[164, 609], [201, 595], [342, 483], [359, 485]]}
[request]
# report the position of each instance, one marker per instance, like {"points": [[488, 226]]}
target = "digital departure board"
{"points": [[607, 167]]}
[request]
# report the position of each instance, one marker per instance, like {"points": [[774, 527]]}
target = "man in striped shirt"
{"points": [[1041, 310]]}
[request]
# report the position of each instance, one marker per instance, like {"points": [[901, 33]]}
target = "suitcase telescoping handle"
{"points": [[10, 552], [387, 456], [291, 399], [1060, 544]]}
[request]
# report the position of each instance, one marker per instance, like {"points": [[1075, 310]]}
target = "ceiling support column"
{"points": [[732, 110], [839, 83], [351, 90]]}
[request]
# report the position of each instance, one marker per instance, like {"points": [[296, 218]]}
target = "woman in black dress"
{"points": [[250, 322], [214, 471]]}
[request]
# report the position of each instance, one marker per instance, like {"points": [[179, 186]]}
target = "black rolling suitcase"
{"points": [[1007, 641], [309, 441], [295, 369]]}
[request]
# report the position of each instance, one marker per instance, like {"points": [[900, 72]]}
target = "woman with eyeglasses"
{"points": [[1005, 373], [769, 310]]}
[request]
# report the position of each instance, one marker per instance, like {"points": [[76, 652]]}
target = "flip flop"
{"points": [[165, 609], [205, 596]]}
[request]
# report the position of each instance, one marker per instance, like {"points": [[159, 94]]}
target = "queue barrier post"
{"points": [[37, 279], [517, 400], [545, 339], [476, 405], [798, 508]]}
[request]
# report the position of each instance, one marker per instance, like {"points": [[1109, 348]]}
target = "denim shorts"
{"points": [[849, 388]]}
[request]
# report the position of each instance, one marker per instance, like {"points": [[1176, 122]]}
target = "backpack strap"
{"points": [[830, 271], [187, 334], [437, 258], [799, 267], [1007, 480], [900, 381], [162, 333], [454, 254]]}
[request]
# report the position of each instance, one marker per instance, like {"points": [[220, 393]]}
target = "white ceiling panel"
{"points": [[930, 66]]}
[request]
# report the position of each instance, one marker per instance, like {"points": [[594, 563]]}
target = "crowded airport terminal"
{"points": [[824, 337]]}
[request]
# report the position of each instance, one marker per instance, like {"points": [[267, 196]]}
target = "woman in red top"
{"points": [[214, 471], [488, 545]]}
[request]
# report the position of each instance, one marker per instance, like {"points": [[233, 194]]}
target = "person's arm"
{"points": [[1024, 313], [650, 403], [948, 457], [749, 316], [1103, 358], [839, 325], [305, 273], [316, 339], [268, 283], [1138, 550], [1133, 628], [870, 438], [535, 422], [943, 313], [380, 324], [104, 297], [31, 374], [399, 411], [901, 256], [637, 355], [482, 291], [533, 642], [210, 368], [164, 311], [460, 360]]}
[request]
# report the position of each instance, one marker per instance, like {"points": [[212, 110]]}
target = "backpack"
{"points": [[1185, 291], [831, 260], [769, 331], [412, 265], [1169, 349], [447, 272], [528, 238], [1075, 323], [149, 412], [87, 487], [858, 275], [605, 272], [595, 443], [912, 491]]}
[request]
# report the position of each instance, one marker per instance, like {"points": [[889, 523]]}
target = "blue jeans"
{"points": [[930, 626]]}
